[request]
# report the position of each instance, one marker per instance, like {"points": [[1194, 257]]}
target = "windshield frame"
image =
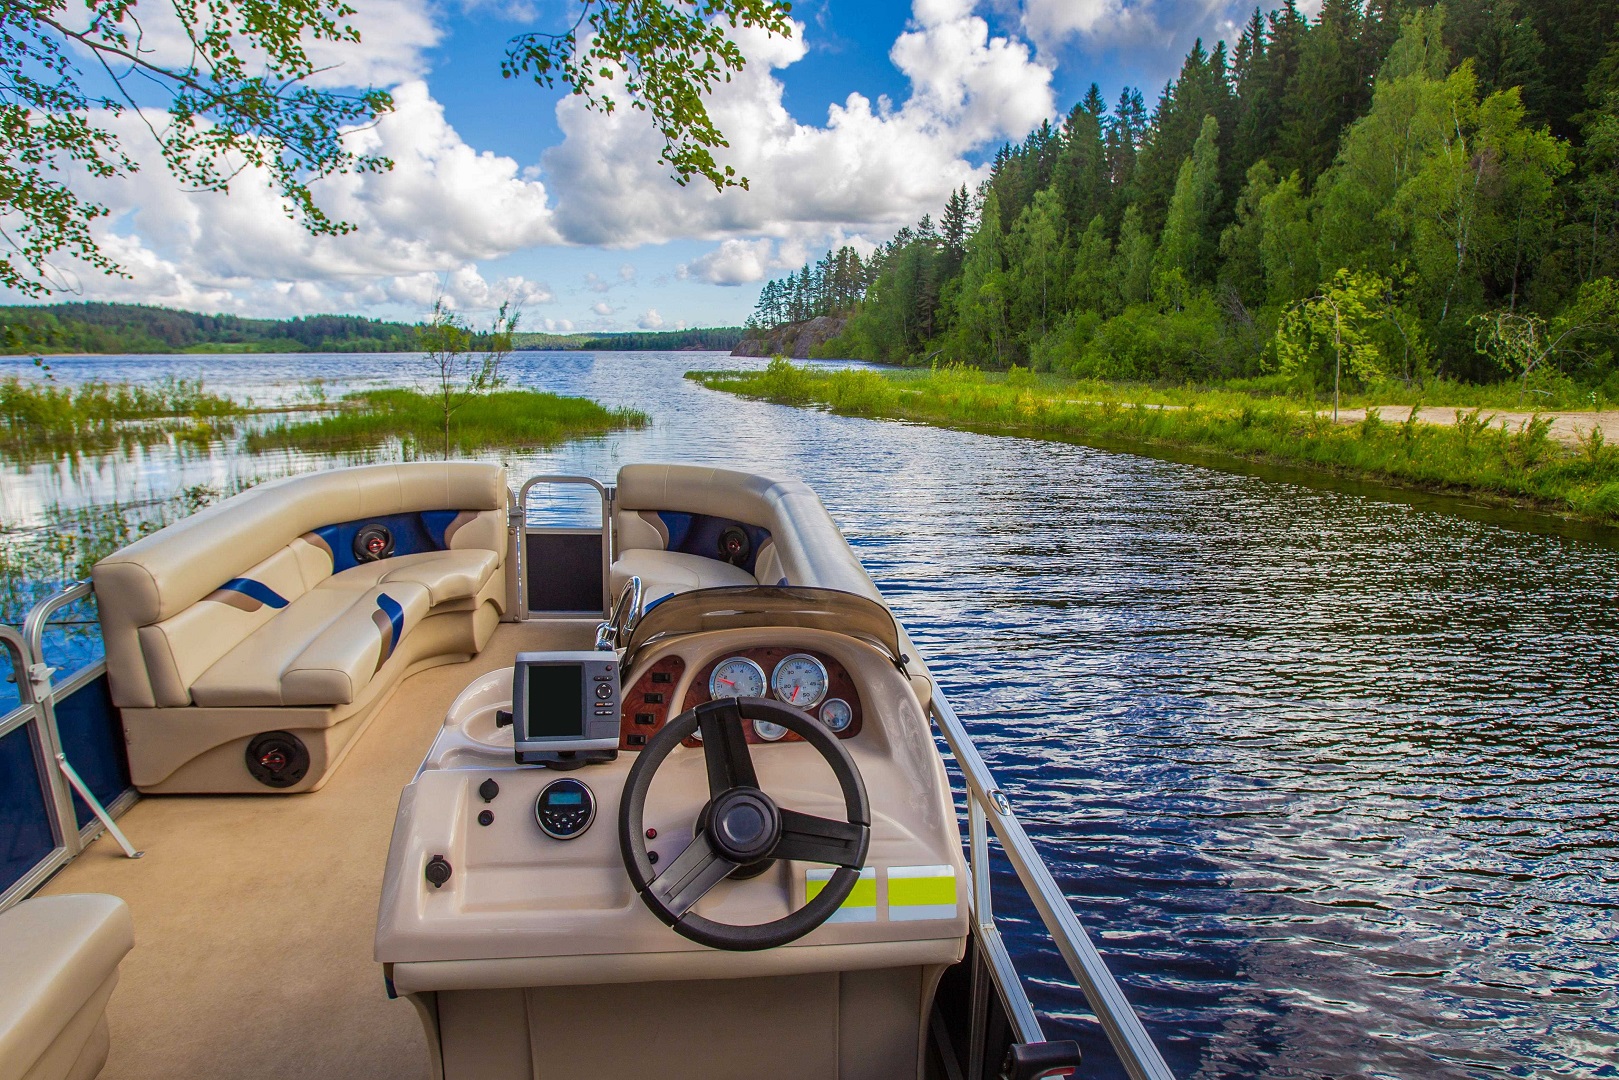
{"points": [[735, 607]]}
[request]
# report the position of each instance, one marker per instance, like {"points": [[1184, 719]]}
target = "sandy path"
{"points": [[1567, 427]]}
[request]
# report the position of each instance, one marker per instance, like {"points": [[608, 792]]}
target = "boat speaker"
{"points": [[734, 545], [277, 759], [373, 542]]}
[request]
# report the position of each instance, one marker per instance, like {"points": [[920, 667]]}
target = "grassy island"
{"points": [[515, 419], [1476, 455]]}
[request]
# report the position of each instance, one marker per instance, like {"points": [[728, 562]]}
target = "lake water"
{"points": [[1329, 777]]}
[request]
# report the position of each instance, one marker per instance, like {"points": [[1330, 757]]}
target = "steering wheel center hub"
{"points": [[744, 825]]}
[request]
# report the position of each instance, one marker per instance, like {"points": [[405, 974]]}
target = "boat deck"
{"points": [[254, 915]]}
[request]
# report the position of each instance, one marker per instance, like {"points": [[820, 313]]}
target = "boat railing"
{"points": [[989, 809], [66, 804]]}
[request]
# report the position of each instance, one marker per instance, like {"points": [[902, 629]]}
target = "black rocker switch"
{"points": [[503, 718], [438, 871], [488, 790]]}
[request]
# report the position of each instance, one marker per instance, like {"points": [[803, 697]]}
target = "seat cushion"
{"points": [[321, 650], [665, 572], [446, 575], [57, 955]]}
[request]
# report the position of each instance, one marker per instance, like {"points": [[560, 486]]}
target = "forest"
{"points": [[105, 329], [1390, 192]]}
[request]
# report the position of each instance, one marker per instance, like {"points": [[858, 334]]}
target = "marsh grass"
{"points": [[40, 419], [1477, 455], [515, 419]]}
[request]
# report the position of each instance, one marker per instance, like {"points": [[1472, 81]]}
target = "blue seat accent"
{"points": [[396, 618], [257, 590]]}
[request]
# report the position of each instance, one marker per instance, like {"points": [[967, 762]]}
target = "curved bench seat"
{"points": [[59, 958], [799, 543], [261, 614]]}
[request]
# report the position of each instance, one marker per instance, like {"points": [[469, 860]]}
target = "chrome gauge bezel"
{"points": [[848, 711], [713, 687], [775, 673], [768, 731]]}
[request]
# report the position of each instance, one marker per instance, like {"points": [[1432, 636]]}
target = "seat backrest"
{"points": [[163, 574], [810, 548]]}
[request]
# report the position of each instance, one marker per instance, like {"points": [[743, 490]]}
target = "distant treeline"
{"points": [[137, 328], [1398, 188], [717, 338]]}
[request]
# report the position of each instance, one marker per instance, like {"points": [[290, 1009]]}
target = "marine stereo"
{"points": [[565, 708]]}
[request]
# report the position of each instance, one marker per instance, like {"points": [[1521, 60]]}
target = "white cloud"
{"points": [[602, 308], [651, 320], [871, 167], [442, 208], [1158, 24], [734, 262]]}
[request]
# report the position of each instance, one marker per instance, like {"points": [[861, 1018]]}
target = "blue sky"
{"points": [[860, 123]]}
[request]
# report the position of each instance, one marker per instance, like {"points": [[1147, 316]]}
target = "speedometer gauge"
{"points": [[800, 680], [737, 677]]}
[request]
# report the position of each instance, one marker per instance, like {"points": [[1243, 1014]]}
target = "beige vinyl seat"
{"points": [[803, 546], [59, 958], [254, 618]]}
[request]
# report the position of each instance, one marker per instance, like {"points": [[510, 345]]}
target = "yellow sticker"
{"points": [[861, 906], [921, 892]]}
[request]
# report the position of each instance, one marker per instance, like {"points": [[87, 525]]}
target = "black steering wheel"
{"points": [[741, 828]]}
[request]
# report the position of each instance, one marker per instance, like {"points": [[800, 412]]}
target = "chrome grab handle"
{"points": [[618, 627]]}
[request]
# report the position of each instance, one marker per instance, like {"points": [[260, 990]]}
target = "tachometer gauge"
{"points": [[737, 677], [800, 680], [767, 731], [837, 715]]}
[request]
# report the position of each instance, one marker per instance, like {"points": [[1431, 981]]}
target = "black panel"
{"points": [[93, 740], [556, 702], [564, 571], [25, 824]]}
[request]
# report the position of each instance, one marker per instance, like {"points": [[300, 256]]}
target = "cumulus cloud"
{"points": [[602, 308], [650, 320], [1155, 24], [442, 208], [870, 167]]}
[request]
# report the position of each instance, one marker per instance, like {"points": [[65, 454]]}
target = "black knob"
{"points": [[486, 817], [438, 871], [488, 790], [503, 718]]}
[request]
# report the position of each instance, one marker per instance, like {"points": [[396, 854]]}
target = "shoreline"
{"points": [[1501, 461]]}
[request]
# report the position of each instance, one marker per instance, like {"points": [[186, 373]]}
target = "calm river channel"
{"points": [[1329, 777]]}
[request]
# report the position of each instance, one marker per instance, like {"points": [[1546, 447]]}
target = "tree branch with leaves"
{"points": [[462, 363]]}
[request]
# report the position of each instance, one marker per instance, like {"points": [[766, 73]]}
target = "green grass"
{"points": [[514, 419], [40, 419], [1519, 464]]}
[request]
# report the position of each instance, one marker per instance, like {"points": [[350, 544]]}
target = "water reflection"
{"points": [[1329, 776]]}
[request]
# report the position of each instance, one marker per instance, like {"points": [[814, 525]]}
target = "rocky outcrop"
{"points": [[791, 339]]}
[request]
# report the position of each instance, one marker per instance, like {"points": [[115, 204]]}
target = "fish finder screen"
{"points": [[556, 701]]}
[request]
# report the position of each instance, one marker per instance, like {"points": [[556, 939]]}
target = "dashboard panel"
{"points": [[649, 703]]}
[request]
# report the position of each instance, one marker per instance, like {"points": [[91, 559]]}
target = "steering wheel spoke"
{"points": [[689, 878], [725, 747], [808, 838]]}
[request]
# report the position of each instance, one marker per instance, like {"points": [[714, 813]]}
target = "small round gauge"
{"points": [[737, 677], [800, 680], [767, 731], [837, 715]]}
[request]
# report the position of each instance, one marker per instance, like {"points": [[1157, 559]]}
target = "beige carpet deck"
{"points": [[254, 915]]}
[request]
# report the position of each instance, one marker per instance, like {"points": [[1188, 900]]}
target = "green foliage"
{"points": [[239, 97], [505, 419], [461, 364], [667, 55], [1477, 454], [1334, 332], [135, 328], [39, 420]]}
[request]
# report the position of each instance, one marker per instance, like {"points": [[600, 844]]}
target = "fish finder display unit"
{"points": [[565, 708]]}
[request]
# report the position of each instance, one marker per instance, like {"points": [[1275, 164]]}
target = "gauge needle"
{"points": [[727, 682], [794, 698]]}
